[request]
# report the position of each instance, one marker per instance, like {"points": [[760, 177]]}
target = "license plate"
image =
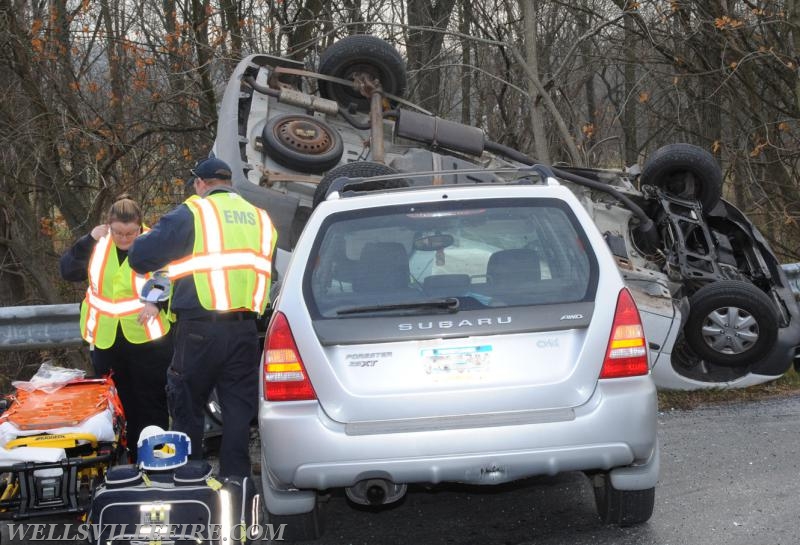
{"points": [[457, 363]]}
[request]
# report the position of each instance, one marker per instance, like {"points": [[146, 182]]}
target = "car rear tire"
{"points": [[622, 507], [685, 171], [302, 142], [731, 323], [300, 527], [361, 54], [360, 169]]}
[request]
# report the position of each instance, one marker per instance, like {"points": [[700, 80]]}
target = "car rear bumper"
{"points": [[304, 449]]}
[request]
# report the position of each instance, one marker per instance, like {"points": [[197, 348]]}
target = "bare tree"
{"points": [[101, 98], [426, 20]]}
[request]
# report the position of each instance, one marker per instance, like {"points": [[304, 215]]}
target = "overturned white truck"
{"points": [[717, 308]]}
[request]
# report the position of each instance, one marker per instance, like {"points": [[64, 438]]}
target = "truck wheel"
{"points": [[685, 171], [302, 142], [361, 54], [731, 323], [359, 169]]}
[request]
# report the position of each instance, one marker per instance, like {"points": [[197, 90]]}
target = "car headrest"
{"points": [[513, 266], [382, 266]]}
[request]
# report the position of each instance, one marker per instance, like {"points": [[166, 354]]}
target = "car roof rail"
{"points": [[348, 186]]}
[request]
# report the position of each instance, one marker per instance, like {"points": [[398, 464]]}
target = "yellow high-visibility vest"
{"points": [[112, 298], [231, 261]]}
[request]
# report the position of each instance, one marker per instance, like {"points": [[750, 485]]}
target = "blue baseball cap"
{"points": [[211, 169]]}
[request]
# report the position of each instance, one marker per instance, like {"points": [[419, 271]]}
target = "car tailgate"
{"points": [[519, 367]]}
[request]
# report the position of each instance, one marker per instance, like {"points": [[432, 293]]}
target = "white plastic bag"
{"points": [[49, 378]]}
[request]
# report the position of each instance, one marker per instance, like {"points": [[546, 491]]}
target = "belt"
{"points": [[224, 317]]}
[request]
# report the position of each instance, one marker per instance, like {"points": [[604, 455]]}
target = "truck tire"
{"points": [[359, 169], [361, 53], [731, 323], [685, 171]]}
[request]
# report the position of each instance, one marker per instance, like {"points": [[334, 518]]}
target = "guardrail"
{"points": [[39, 326], [792, 271], [49, 326]]}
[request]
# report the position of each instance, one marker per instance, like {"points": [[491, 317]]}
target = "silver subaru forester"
{"points": [[468, 333]]}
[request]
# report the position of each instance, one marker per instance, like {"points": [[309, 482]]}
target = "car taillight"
{"points": [[626, 355], [285, 378]]}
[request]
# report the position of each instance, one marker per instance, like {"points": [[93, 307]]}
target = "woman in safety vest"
{"points": [[125, 335]]}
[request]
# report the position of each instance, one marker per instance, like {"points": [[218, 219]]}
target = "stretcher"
{"points": [[56, 447]]}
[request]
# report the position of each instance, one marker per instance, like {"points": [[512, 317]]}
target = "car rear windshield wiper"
{"points": [[449, 304]]}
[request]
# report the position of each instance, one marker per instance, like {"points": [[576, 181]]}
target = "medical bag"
{"points": [[168, 498]]}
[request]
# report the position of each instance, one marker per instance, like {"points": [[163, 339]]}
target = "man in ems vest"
{"points": [[218, 249]]}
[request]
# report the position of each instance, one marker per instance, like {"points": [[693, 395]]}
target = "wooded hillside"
{"points": [[103, 97]]}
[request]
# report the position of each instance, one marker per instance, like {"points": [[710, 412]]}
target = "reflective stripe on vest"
{"points": [[98, 309], [216, 262], [97, 263], [260, 295]]}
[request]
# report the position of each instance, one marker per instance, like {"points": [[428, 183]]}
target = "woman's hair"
{"points": [[125, 210]]}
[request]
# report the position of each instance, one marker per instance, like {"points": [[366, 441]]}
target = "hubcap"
{"points": [[730, 330]]}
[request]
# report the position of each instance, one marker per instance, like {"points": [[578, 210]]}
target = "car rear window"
{"points": [[490, 253]]}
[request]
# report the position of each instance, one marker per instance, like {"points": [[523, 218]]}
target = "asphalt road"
{"points": [[729, 476]]}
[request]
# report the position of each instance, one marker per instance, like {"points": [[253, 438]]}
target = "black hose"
{"points": [[646, 225], [250, 80]]}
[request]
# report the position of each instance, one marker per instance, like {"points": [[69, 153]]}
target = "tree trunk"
{"points": [[208, 106], [231, 20], [629, 117], [540, 143], [427, 20], [588, 87], [302, 37], [793, 19], [466, 62]]}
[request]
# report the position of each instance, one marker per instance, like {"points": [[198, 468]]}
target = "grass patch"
{"points": [[678, 399]]}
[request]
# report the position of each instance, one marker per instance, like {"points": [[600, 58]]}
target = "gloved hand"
{"points": [[157, 289]]}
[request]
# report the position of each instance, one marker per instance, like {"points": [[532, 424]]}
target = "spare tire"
{"points": [[302, 142], [356, 54], [359, 169], [685, 171], [731, 323]]}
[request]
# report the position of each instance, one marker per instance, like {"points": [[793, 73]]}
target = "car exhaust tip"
{"points": [[375, 492]]}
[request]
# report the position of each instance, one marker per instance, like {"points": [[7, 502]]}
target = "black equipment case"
{"points": [[178, 506], [182, 505]]}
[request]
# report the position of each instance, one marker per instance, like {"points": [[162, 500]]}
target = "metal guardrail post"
{"points": [[792, 271], [39, 326]]}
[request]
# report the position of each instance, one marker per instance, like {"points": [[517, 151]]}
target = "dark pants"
{"points": [[224, 355], [140, 374]]}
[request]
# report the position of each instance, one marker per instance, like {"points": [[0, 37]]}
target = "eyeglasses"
{"points": [[195, 176], [130, 234]]}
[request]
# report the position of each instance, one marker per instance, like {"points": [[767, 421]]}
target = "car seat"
{"points": [[382, 267], [512, 267]]}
